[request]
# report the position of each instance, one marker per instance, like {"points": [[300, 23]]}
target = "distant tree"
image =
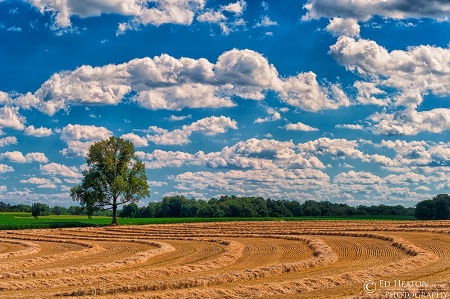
{"points": [[425, 210], [442, 207], [258, 206], [437, 208], [57, 210], [190, 208], [361, 210], [147, 212], [172, 206], [115, 176], [75, 210], [295, 207], [312, 208], [277, 208], [23, 208], [157, 207], [130, 211], [4, 207], [205, 209], [39, 209]]}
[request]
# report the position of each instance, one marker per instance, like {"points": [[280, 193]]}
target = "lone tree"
{"points": [[114, 176]]}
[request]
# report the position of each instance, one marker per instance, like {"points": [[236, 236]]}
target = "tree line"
{"points": [[437, 208], [41, 209], [233, 206]]}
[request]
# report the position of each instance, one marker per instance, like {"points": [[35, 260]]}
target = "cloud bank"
{"points": [[164, 82], [364, 10]]}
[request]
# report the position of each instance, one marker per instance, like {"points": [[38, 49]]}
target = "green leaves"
{"points": [[115, 176]]}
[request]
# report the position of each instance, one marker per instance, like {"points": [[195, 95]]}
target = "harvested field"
{"points": [[302, 259]]}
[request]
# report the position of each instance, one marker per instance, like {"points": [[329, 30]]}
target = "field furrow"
{"points": [[303, 259]]}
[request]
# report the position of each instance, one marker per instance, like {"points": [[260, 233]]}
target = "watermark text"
{"points": [[404, 289]]}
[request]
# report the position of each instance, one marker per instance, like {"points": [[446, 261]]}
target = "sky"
{"points": [[345, 101]]}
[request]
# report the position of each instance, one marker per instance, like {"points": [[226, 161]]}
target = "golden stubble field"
{"points": [[305, 259]]}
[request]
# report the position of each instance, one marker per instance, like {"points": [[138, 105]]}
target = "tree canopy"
{"points": [[114, 176], [39, 209], [437, 208], [234, 206]]}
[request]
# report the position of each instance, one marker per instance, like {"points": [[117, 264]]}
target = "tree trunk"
{"points": [[114, 211]]}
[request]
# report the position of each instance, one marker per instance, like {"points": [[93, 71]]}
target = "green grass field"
{"points": [[26, 221]]}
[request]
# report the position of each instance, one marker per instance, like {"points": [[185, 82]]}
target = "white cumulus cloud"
{"points": [[209, 126], [341, 26], [273, 116], [300, 127], [16, 156], [265, 22], [364, 10], [8, 140], [80, 137], [413, 72], [155, 12], [160, 159], [38, 132], [41, 182], [411, 122], [335, 147], [5, 168], [164, 82], [61, 170], [10, 118], [137, 140]]}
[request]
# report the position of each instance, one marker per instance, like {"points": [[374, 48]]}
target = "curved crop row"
{"points": [[222, 260]]}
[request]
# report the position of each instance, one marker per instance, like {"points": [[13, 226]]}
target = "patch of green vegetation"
{"points": [[11, 220], [143, 221], [27, 221]]}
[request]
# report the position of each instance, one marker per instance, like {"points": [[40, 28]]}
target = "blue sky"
{"points": [[346, 101]]}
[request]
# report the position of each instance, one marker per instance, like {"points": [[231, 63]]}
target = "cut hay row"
{"points": [[418, 258], [322, 254], [233, 252], [137, 258], [243, 260], [30, 248], [45, 259]]}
